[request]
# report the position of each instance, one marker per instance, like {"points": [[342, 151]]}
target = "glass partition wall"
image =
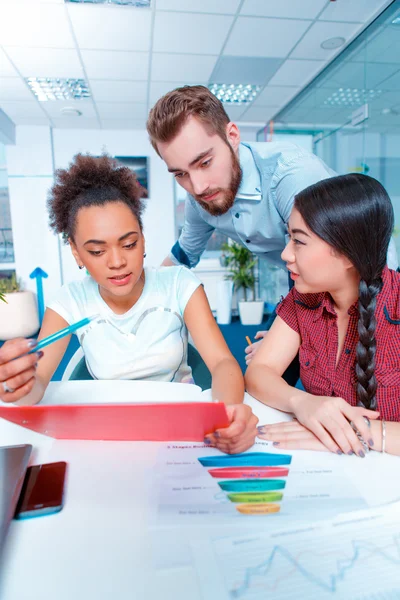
{"points": [[352, 110]]}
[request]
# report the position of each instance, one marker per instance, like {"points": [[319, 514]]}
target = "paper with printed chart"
{"points": [[193, 484], [352, 557]]}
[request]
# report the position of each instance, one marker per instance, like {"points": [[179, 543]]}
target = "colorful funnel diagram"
{"points": [[253, 481]]}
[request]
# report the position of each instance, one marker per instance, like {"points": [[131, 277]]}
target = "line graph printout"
{"points": [[353, 557]]}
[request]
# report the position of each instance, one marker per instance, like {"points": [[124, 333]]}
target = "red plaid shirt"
{"points": [[313, 316]]}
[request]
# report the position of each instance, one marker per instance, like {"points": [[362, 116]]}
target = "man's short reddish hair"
{"points": [[170, 113]]}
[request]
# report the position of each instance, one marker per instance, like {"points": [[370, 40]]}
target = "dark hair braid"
{"points": [[366, 346], [353, 214]]}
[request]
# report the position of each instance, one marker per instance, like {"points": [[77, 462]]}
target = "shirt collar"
{"points": [[321, 302], [328, 305], [250, 186]]}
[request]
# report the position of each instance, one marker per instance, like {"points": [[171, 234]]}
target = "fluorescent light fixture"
{"points": [[137, 3], [396, 21], [46, 88], [351, 97], [234, 93]]}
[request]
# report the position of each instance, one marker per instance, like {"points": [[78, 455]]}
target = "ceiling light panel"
{"points": [[351, 97], [46, 89], [235, 93]]}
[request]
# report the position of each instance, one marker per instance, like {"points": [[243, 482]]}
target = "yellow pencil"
{"points": [[248, 340]]}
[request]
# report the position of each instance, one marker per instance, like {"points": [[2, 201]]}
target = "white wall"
{"points": [[30, 174], [30, 170]]}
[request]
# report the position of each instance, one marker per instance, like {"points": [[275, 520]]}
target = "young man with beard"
{"points": [[243, 190]]}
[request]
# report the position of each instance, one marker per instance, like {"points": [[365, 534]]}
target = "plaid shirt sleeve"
{"points": [[286, 309]]}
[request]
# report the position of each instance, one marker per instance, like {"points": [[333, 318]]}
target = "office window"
{"points": [[6, 239]]}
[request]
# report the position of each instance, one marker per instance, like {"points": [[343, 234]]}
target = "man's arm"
{"points": [[298, 175], [294, 177], [193, 240]]}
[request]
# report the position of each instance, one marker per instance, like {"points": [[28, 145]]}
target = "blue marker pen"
{"points": [[62, 333]]}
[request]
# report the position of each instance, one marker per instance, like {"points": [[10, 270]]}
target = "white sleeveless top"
{"points": [[149, 342]]}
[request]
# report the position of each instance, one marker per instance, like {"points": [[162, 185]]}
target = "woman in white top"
{"points": [[144, 314]]}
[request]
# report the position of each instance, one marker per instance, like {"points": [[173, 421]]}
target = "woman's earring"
{"points": [[81, 266], [144, 255]]}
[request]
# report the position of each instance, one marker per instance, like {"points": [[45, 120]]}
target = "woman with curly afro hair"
{"points": [[144, 313]]}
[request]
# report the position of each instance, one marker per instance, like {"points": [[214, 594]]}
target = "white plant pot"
{"points": [[251, 313], [19, 317], [224, 304]]}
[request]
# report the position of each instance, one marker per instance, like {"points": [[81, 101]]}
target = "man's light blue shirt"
{"points": [[273, 173]]}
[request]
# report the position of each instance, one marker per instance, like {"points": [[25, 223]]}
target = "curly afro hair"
{"points": [[91, 181]]}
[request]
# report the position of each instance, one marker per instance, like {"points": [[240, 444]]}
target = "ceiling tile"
{"points": [[13, 88], [121, 110], [276, 96], [120, 91], [107, 27], [31, 2], [245, 69], [160, 88], [46, 62], [386, 100], [296, 72], [259, 113], [300, 9], [75, 123], [104, 64], [359, 75], [310, 45], [43, 25], [295, 115], [19, 108], [227, 7], [6, 68], [190, 32], [264, 37], [86, 107], [385, 40], [235, 112], [393, 83], [182, 67], [123, 123], [359, 11], [31, 121]]}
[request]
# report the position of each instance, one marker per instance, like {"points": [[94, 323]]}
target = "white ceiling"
{"points": [[131, 56]]}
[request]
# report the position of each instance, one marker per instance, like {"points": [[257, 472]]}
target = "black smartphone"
{"points": [[42, 491]]}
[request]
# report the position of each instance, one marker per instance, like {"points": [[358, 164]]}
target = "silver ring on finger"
{"points": [[6, 388]]}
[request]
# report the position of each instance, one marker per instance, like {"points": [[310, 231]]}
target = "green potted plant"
{"points": [[241, 263], [18, 310]]}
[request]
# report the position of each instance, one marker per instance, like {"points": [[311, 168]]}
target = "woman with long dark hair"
{"points": [[343, 317]]}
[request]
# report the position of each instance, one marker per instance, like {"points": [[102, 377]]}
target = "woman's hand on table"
{"points": [[328, 418], [291, 435], [17, 369], [241, 433]]}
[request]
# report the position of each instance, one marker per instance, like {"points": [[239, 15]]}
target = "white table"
{"points": [[99, 546]]}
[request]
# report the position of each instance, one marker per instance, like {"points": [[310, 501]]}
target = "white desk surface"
{"points": [[100, 545]]}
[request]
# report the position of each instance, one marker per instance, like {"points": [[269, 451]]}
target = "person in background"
{"points": [[343, 317], [141, 332]]}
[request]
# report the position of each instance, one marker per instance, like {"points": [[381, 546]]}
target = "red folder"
{"points": [[134, 422]]}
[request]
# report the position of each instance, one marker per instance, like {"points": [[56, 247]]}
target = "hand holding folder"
{"points": [[129, 422]]}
